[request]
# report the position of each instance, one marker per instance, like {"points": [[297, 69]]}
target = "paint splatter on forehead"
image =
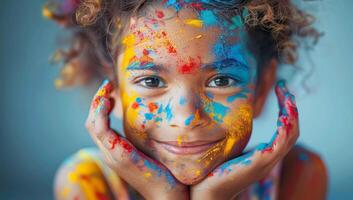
{"points": [[231, 43]]}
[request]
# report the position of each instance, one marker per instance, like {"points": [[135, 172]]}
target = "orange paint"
{"points": [[152, 107]]}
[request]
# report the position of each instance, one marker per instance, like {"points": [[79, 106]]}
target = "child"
{"points": [[187, 78]]}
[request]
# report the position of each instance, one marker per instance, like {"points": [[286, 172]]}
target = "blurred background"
{"points": [[40, 126]]}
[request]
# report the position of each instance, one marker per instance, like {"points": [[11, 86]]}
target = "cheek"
{"points": [[239, 126], [142, 115]]}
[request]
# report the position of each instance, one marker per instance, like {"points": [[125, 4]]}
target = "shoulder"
{"points": [[303, 175], [85, 175]]}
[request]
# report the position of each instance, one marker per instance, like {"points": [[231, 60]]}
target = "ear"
{"points": [[265, 82], [117, 105]]}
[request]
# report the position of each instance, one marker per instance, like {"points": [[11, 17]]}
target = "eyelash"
{"points": [[140, 81], [235, 81]]}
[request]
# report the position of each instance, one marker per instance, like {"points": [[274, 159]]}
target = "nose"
{"points": [[187, 111]]}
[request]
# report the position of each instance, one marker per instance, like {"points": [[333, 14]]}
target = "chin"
{"points": [[190, 174]]}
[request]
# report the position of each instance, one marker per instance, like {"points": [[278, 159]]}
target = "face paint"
{"points": [[178, 52]]}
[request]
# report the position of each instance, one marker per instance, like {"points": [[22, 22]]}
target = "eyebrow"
{"points": [[218, 65], [226, 63], [145, 66]]}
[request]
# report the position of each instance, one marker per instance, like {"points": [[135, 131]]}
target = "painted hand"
{"points": [[147, 176], [233, 176]]}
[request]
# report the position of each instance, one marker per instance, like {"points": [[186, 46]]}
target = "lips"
{"points": [[186, 148]]}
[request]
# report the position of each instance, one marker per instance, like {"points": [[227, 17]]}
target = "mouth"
{"points": [[185, 148]]}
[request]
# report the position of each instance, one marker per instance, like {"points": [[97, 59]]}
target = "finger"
{"points": [[119, 153], [97, 122], [282, 140]]}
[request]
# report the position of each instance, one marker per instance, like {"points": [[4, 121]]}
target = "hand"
{"points": [[233, 176], [151, 179]]}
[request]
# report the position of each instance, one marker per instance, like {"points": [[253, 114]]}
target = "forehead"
{"points": [[164, 34]]}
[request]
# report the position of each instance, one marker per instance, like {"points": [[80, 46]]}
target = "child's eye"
{"points": [[222, 81], [152, 82]]}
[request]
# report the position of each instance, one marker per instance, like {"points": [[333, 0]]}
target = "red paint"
{"points": [[101, 196], [85, 177], [292, 109], [135, 105], [268, 149], [189, 67], [114, 141], [126, 146], [159, 14], [143, 126], [145, 52], [197, 6], [152, 106], [210, 174], [171, 49], [96, 102], [117, 140], [287, 124]]}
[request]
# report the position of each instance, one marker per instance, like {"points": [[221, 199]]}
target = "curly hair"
{"points": [[276, 28]]}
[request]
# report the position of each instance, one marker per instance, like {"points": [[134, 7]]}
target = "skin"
{"points": [[189, 74], [189, 70], [190, 92]]}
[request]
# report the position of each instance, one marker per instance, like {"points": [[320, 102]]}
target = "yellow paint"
{"points": [[147, 174], [198, 172], [194, 22], [90, 179], [239, 123], [229, 145], [47, 13], [179, 139], [198, 36]]}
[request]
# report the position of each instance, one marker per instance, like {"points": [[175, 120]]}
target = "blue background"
{"points": [[41, 126]]}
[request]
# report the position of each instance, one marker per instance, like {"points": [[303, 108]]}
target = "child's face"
{"points": [[186, 84]]}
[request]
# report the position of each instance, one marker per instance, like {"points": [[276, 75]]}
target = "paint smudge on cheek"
{"points": [[216, 110], [239, 125]]}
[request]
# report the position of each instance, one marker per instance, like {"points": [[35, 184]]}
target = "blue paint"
{"points": [[138, 66], [153, 167], [209, 95], [189, 120], [173, 3], [158, 119], [218, 110], [236, 22], [239, 95], [160, 109], [208, 18], [243, 159], [245, 13], [263, 189], [149, 116], [168, 111], [303, 156], [182, 100]]}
